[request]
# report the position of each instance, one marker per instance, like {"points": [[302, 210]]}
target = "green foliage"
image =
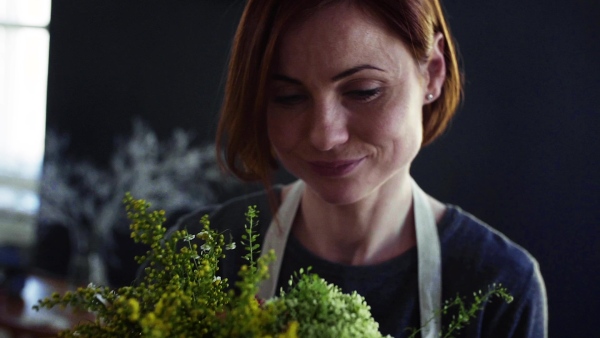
{"points": [[249, 238], [324, 311], [464, 311], [182, 295]]}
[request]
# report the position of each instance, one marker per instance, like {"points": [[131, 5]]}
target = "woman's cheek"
{"points": [[280, 132]]}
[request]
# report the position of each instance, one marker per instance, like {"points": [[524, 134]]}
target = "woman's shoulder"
{"points": [[474, 252], [475, 244], [476, 256]]}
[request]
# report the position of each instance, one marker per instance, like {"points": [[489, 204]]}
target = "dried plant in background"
{"points": [[86, 198]]}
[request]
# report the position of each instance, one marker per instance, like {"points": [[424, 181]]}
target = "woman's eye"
{"points": [[364, 95], [289, 100]]}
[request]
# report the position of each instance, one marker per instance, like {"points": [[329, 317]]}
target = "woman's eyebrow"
{"points": [[279, 77], [346, 73], [354, 70]]}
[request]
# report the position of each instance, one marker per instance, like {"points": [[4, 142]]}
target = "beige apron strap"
{"points": [[276, 237], [430, 264], [428, 251]]}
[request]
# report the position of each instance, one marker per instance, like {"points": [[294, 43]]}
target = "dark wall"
{"points": [[522, 153], [161, 60]]}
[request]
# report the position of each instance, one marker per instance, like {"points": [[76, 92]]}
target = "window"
{"points": [[24, 42]]}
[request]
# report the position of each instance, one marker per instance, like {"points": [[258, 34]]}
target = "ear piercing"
{"points": [[429, 97]]}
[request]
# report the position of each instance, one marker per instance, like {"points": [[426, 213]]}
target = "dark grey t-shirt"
{"points": [[474, 256]]}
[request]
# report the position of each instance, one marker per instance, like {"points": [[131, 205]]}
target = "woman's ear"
{"points": [[435, 69]]}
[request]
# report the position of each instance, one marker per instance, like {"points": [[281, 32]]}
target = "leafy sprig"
{"points": [[250, 237], [465, 311]]}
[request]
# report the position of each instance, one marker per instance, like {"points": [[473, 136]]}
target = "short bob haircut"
{"points": [[242, 130]]}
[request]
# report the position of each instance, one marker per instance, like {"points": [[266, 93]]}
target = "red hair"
{"points": [[242, 130]]}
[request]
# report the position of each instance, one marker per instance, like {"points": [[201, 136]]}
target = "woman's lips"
{"points": [[334, 168]]}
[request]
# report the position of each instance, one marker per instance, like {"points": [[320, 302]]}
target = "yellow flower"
{"points": [[292, 331], [134, 305]]}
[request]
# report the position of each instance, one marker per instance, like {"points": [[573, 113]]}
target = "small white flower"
{"points": [[91, 286], [216, 278], [188, 237], [204, 235], [230, 246], [206, 247]]}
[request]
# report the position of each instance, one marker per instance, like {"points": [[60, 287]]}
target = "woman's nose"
{"points": [[328, 127]]}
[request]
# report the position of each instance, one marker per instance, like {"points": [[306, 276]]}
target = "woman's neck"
{"points": [[370, 231]]}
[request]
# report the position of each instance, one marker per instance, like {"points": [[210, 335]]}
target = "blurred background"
{"points": [[99, 97]]}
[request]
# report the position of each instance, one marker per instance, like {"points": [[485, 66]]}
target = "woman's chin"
{"points": [[336, 193]]}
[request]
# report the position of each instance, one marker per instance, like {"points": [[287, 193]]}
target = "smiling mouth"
{"points": [[334, 168]]}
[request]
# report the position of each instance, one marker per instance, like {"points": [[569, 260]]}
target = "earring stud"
{"points": [[429, 97]]}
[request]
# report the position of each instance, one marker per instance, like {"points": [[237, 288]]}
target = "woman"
{"points": [[344, 94]]}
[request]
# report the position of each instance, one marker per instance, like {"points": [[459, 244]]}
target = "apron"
{"points": [[428, 253]]}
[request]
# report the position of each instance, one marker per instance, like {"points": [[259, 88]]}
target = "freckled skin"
{"points": [[329, 122]]}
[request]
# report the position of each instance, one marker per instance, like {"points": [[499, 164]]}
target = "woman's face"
{"points": [[344, 105]]}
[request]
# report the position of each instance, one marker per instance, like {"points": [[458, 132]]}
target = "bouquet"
{"points": [[182, 294]]}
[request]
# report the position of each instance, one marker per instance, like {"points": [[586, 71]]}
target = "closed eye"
{"points": [[289, 100], [364, 95]]}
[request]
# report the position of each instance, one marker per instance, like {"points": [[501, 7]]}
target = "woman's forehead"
{"points": [[336, 14], [335, 34]]}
